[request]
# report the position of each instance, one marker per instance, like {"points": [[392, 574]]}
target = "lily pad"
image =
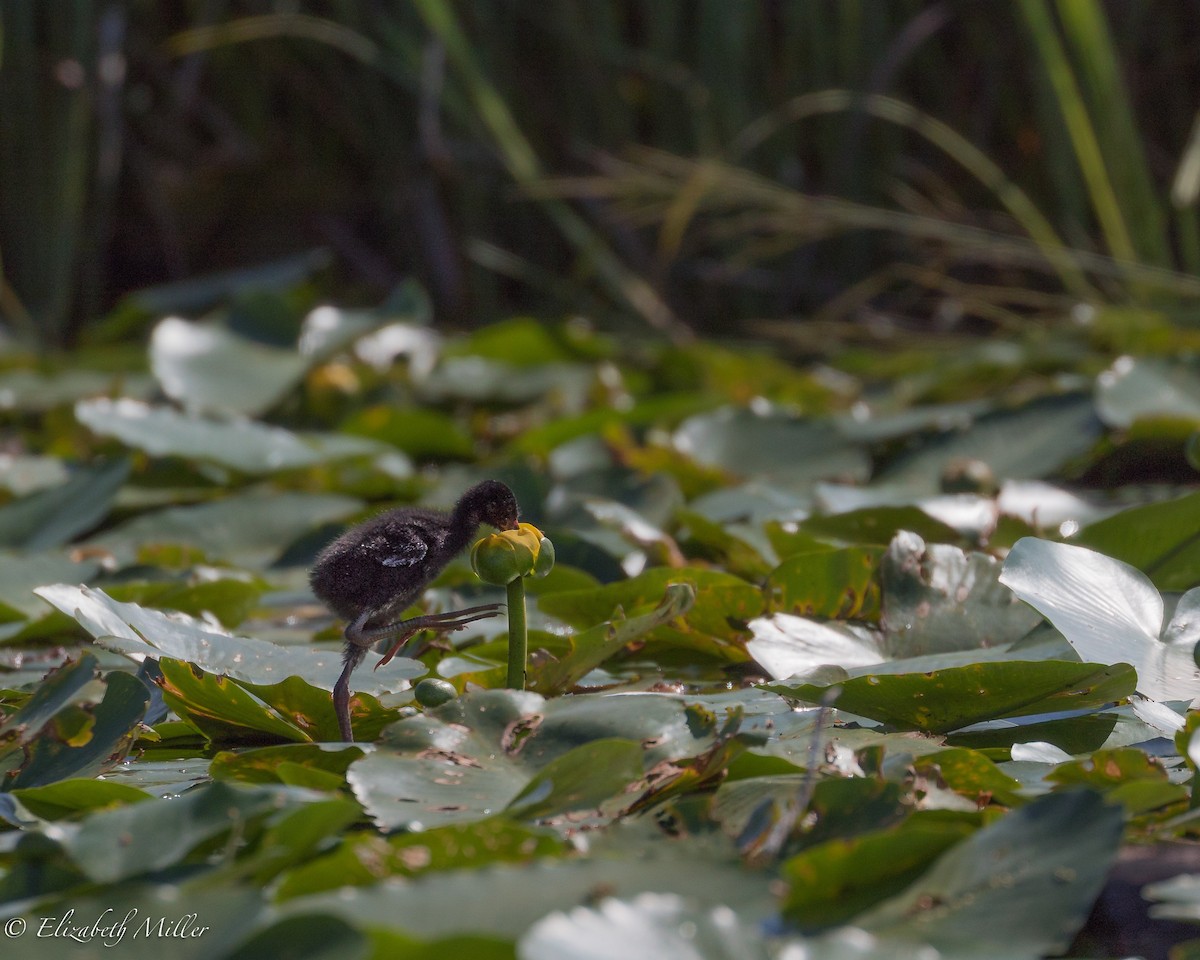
{"points": [[252, 448], [284, 764], [21, 573], [785, 449], [476, 755], [943, 700], [838, 584], [583, 652], [57, 515], [250, 528], [139, 632], [659, 925], [831, 882], [220, 709], [364, 859], [786, 645], [1020, 887], [1109, 612], [1135, 388], [1160, 539], [208, 367], [420, 433], [1028, 443], [937, 598], [168, 829], [723, 601], [95, 738], [72, 797]]}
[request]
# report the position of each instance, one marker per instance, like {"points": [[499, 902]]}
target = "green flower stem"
{"points": [[518, 636]]}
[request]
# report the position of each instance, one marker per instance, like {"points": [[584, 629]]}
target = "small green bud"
{"points": [[433, 692], [500, 558]]}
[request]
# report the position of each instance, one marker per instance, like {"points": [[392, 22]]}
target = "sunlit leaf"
{"points": [[1107, 610], [139, 632]]}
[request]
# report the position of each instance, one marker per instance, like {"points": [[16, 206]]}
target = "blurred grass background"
{"points": [[795, 169]]}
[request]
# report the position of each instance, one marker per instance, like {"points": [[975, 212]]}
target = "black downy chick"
{"points": [[373, 572]]}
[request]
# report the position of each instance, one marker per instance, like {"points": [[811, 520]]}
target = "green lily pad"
{"points": [[580, 779], [784, 449], [1160, 539], [252, 448], [250, 528], [878, 525], [166, 830], [583, 652], [422, 434], [472, 757], [1020, 887], [299, 835], [1126, 776], [837, 584], [667, 410], [1028, 443], [57, 515], [943, 700], [60, 689], [221, 709], [21, 573], [723, 601], [831, 882], [286, 764], [363, 859], [506, 899], [95, 738], [68, 798], [314, 937], [970, 774]]}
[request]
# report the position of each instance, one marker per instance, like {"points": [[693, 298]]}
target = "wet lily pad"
{"points": [[72, 797], [786, 645], [139, 632]]}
